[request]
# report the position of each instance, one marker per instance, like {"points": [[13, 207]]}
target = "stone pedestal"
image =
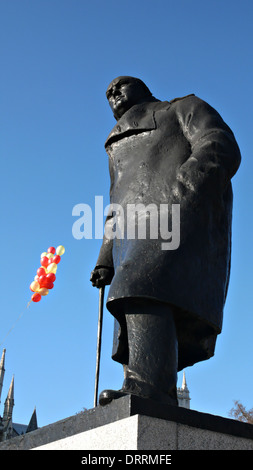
{"points": [[131, 423]]}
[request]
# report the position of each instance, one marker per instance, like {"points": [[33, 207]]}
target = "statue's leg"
{"points": [[153, 353], [151, 371]]}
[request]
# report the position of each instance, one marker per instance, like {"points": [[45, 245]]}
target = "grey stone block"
{"points": [[132, 423]]}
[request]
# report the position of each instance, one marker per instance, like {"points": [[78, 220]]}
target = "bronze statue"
{"points": [[167, 303]]}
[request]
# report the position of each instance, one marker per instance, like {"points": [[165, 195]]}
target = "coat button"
{"points": [[118, 128], [135, 123]]}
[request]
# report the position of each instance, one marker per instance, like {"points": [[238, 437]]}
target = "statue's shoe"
{"points": [[107, 396]]}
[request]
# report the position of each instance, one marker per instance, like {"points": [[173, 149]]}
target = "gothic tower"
{"points": [[9, 403], [183, 394], [8, 429], [2, 371]]}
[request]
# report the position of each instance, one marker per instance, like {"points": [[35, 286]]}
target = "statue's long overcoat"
{"points": [[178, 152]]}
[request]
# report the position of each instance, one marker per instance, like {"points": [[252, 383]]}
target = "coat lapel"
{"points": [[138, 119]]}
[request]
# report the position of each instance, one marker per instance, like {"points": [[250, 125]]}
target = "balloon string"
{"points": [[13, 326]]}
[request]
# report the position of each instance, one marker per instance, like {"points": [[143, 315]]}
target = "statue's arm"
{"points": [[215, 155], [103, 272], [104, 269]]}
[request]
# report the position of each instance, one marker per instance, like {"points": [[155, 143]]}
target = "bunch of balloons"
{"points": [[45, 277]]}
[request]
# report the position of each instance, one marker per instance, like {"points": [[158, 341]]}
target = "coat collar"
{"points": [[138, 119]]}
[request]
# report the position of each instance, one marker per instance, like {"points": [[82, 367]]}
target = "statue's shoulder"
{"points": [[190, 103], [175, 100]]}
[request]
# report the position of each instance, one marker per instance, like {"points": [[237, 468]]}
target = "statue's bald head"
{"points": [[124, 92]]}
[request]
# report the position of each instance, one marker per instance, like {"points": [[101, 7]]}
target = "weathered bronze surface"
{"points": [[167, 303]]}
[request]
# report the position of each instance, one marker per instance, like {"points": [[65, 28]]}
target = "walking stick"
{"points": [[99, 339]]}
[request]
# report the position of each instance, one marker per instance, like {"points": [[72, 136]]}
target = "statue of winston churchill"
{"points": [[167, 301]]}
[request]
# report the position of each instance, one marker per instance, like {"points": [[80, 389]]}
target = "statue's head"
{"points": [[125, 92]]}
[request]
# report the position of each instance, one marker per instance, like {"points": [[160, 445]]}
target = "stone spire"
{"points": [[33, 422], [183, 394], [9, 402], [184, 384], [2, 371]]}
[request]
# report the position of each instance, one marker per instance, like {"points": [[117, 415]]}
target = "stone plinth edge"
{"points": [[123, 408]]}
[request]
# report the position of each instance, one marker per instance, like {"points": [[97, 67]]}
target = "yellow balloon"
{"points": [[49, 255], [60, 250], [43, 291], [52, 268], [43, 254], [35, 286]]}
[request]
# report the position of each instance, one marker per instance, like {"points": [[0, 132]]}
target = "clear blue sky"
{"points": [[57, 58]]}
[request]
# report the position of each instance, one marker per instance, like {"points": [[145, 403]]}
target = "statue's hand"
{"points": [[101, 277]]}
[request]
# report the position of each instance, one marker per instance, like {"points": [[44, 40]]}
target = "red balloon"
{"points": [[41, 272], [45, 281], [50, 285], [44, 261], [51, 249], [56, 259], [51, 277], [36, 297], [42, 280]]}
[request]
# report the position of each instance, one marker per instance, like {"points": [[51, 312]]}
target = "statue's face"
{"points": [[123, 93]]}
